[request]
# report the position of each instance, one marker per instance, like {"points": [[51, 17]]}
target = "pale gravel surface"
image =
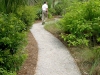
{"points": [[53, 57]]}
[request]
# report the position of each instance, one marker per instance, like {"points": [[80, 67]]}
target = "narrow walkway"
{"points": [[53, 57]]}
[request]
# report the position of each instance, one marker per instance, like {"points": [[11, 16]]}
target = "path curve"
{"points": [[53, 56]]}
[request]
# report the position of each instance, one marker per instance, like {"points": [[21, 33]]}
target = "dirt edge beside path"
{"points": [[28, 68]]}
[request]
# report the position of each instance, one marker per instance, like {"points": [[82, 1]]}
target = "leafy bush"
{"points": [[81, 23], [12, 32], [11, 63], [81, 27], [15, 20], [27, 14], [52, 11], [59, 8], [13, 39], [4, 72], [90, 61], [39, 14]]}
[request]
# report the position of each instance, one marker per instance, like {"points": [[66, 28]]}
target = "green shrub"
{"points": [[49, 15], [58, 8], [81, 23], [27, 14], [52, 11], [4, 72], [39, 14], [12, 33], [12, 42], [11, 63], [81, 27]]}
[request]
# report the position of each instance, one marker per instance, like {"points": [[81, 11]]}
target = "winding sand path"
{"points": [[53, 57]]}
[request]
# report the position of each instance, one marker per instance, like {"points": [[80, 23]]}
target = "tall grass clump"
{"points": [[10, 6], [52, 26], [61, 5]]}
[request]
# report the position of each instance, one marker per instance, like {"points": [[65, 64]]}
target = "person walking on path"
{"points": [[44, 12]]}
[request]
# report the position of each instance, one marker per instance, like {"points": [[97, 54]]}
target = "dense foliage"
{"points": [[81, 27], [16, 18], [12, 43], [27, 14], [9, 6], [81, 24]]}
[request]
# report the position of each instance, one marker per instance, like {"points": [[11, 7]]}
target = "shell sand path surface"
{"points": [[53, 57]]}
